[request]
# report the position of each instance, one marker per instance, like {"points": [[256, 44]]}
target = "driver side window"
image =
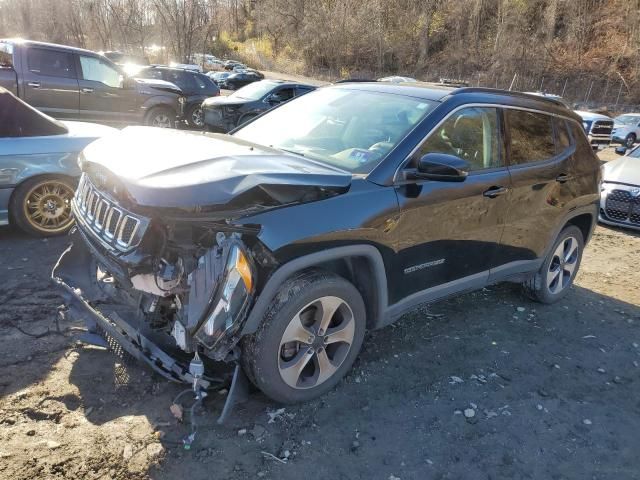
{"points": [[471, 134], [96, 70]]}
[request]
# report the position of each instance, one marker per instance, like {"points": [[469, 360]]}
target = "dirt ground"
{"points": [[554, 391]]}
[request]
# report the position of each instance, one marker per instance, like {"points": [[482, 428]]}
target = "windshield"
{"points": [[627, 119], [253, 91], [350, 129]]}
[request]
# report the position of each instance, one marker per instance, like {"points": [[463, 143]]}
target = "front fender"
{"points": [[169, 101], [16, 169]]}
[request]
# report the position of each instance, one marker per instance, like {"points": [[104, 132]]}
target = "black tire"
{"points": [[630, 140], [192, 114], [154, 116], [23, 195], [261, 352], [538, 287]]}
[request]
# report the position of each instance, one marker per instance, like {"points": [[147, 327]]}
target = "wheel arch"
{"points": [[585, 222], [584, 217], [362, 265]]}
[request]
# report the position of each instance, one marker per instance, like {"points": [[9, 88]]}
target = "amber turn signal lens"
{"points": [[242, 266]]}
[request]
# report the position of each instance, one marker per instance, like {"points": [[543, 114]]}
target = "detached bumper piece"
{"points": [[75, 274]]}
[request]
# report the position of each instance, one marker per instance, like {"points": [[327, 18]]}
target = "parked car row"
{"points": [[222, 114], [76, 84]]}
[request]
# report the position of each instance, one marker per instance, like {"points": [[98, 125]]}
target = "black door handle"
{"points": [[494, 192], [563, 177]]}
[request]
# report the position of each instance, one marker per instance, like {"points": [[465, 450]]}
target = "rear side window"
{"points": [[151, 73], [283, 94], [51, 63], [563, 140], [531, 136], [182, 79]]}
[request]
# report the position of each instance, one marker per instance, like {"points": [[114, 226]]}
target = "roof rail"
{"points": [[354, 80], [499, 91]]}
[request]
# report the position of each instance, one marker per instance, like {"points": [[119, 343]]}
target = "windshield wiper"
{"points": [[289, 151]]}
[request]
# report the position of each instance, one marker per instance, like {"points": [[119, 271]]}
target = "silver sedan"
{"points": [[39, 166]]}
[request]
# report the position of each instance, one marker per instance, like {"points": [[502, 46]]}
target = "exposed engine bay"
{"points": [[192, 284]]}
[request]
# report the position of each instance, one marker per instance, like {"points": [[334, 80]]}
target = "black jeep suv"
{"points": [[278, 246]]}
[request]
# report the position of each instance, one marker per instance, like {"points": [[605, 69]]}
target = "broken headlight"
{"points": [[231, 300]]}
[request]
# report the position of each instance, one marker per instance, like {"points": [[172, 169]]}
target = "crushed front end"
{"points": [[162, 290]]}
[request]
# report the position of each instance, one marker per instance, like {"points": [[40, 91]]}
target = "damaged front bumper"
{"points": [[75, 273]]}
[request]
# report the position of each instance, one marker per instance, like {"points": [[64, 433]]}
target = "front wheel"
{"points": [[162, 117], [41, 206], [559, 270], [309, 338]]}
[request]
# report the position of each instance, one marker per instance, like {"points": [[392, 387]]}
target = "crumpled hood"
{"points": [[623, 170], [178, 169], [216, 102]]}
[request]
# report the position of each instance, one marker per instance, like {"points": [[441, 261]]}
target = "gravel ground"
{"points": [[487, 385]]}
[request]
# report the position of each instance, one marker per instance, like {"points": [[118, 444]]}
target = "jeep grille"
{"points": [[103, 218]]}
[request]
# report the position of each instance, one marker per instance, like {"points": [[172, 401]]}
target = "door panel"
{"points": [[447, 231], [541, 187], [451, 231], [50, 82]]}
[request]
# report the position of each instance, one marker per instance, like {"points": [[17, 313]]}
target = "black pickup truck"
{"points": [[75, 84]]}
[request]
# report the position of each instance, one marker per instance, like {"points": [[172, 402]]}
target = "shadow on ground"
{"points": [[554, 392]]}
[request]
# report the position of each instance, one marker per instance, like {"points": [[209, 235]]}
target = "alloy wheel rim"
{"points": [[316, 342], [162, 120], [47, 207], [563, 265], [630, 142], [196, 117]]}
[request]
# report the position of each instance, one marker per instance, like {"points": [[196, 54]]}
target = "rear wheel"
{"points": [[630, 140], [162, 117], [195, 116], [42, 205], [309, 339], [555, 277]]}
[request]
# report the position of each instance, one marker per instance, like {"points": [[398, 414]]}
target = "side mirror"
{"points": [[128, 82], [621, 150], [442, 167]]}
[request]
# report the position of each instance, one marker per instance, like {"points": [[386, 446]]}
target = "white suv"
{"points": [[626, 129]]}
